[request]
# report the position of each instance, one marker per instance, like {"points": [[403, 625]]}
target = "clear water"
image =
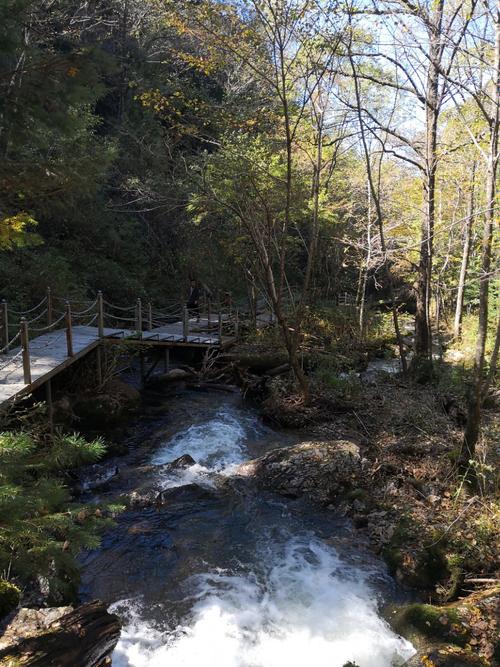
{"points": [[222, 576]]}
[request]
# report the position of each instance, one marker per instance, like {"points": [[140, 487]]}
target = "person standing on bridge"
{"points": [[193, 302]]}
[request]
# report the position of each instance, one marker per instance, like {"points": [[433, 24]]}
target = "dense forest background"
{"points": [[299, 150], [126, 126], [334, 164]]}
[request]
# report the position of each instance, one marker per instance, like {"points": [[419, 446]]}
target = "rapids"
{"points": [[223, 576]]}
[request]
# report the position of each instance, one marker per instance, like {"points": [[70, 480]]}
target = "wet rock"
{"points": [[184, 461], [321, 471], [98, 411], [174, 375], [129, 396], [185, 493], [109, 407], [66, 637], [96, 476], [63, 411], [142, 498], [149, 494]]}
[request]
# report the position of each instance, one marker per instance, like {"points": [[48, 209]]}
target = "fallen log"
{"points": [[83, 637], [256, 362], [279, 370]]}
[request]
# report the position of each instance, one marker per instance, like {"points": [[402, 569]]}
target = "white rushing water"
{"points": [[299, 604], [216, 445]]}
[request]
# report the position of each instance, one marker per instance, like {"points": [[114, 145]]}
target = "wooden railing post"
{"points": [[100, 314], [236, 323], [150, 316], [5, 326], [49, 306], [139, 318], [25, 344], [185, 324], [69, 330]]}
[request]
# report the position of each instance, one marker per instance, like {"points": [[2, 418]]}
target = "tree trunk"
{"points": [[473, 425], [362, 297], [465, 259], [84, 637], [423, 327], [493, 360], [375, 193]]}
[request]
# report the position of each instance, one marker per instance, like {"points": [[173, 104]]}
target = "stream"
{"points": [[220, 575]]}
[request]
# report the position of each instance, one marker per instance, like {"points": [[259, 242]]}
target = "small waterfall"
{"points": [[274, 594]]}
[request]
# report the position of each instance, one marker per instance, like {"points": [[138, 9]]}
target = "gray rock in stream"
{"points": [[66, 637], [320, 471], [150, 492], [184, 461]]}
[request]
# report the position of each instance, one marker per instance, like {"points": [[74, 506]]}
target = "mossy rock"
{"points": [[429, 566], [453, 635], [451, 656], [98, 411], [9, 597], [437, 622]]}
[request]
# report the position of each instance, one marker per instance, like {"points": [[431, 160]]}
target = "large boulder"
{"points": [[109, 407], [66, 637], [149, 493], [128, 395], [174, 375], [98, 411], [320, 471]]}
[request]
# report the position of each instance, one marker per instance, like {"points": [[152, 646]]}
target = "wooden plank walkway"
{"points": [[38, 343], [49, 352]]}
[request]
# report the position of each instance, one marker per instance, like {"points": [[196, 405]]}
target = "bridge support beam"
{"points": [[99, 364], [185, 324], [26, 351], [100, 314], [139, 318], [50, 404], [49, 307], [69, 330], [5, 326]]}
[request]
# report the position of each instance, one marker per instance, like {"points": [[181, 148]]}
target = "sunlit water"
{"points": [[225, 578]]}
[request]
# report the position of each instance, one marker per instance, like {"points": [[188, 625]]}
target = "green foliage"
{"points": [[9, 597], [17, 230], [42, 528]]}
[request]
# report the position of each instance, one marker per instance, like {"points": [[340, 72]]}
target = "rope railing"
{"points": [[210, 322], [38, 317], [10, 343], [116, 307], [29, 310], [81, 313], [49, 327], [119, 318], [12, 361]]}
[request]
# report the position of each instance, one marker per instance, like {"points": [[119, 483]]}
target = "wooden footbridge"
{"points": [[39, 343]]}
